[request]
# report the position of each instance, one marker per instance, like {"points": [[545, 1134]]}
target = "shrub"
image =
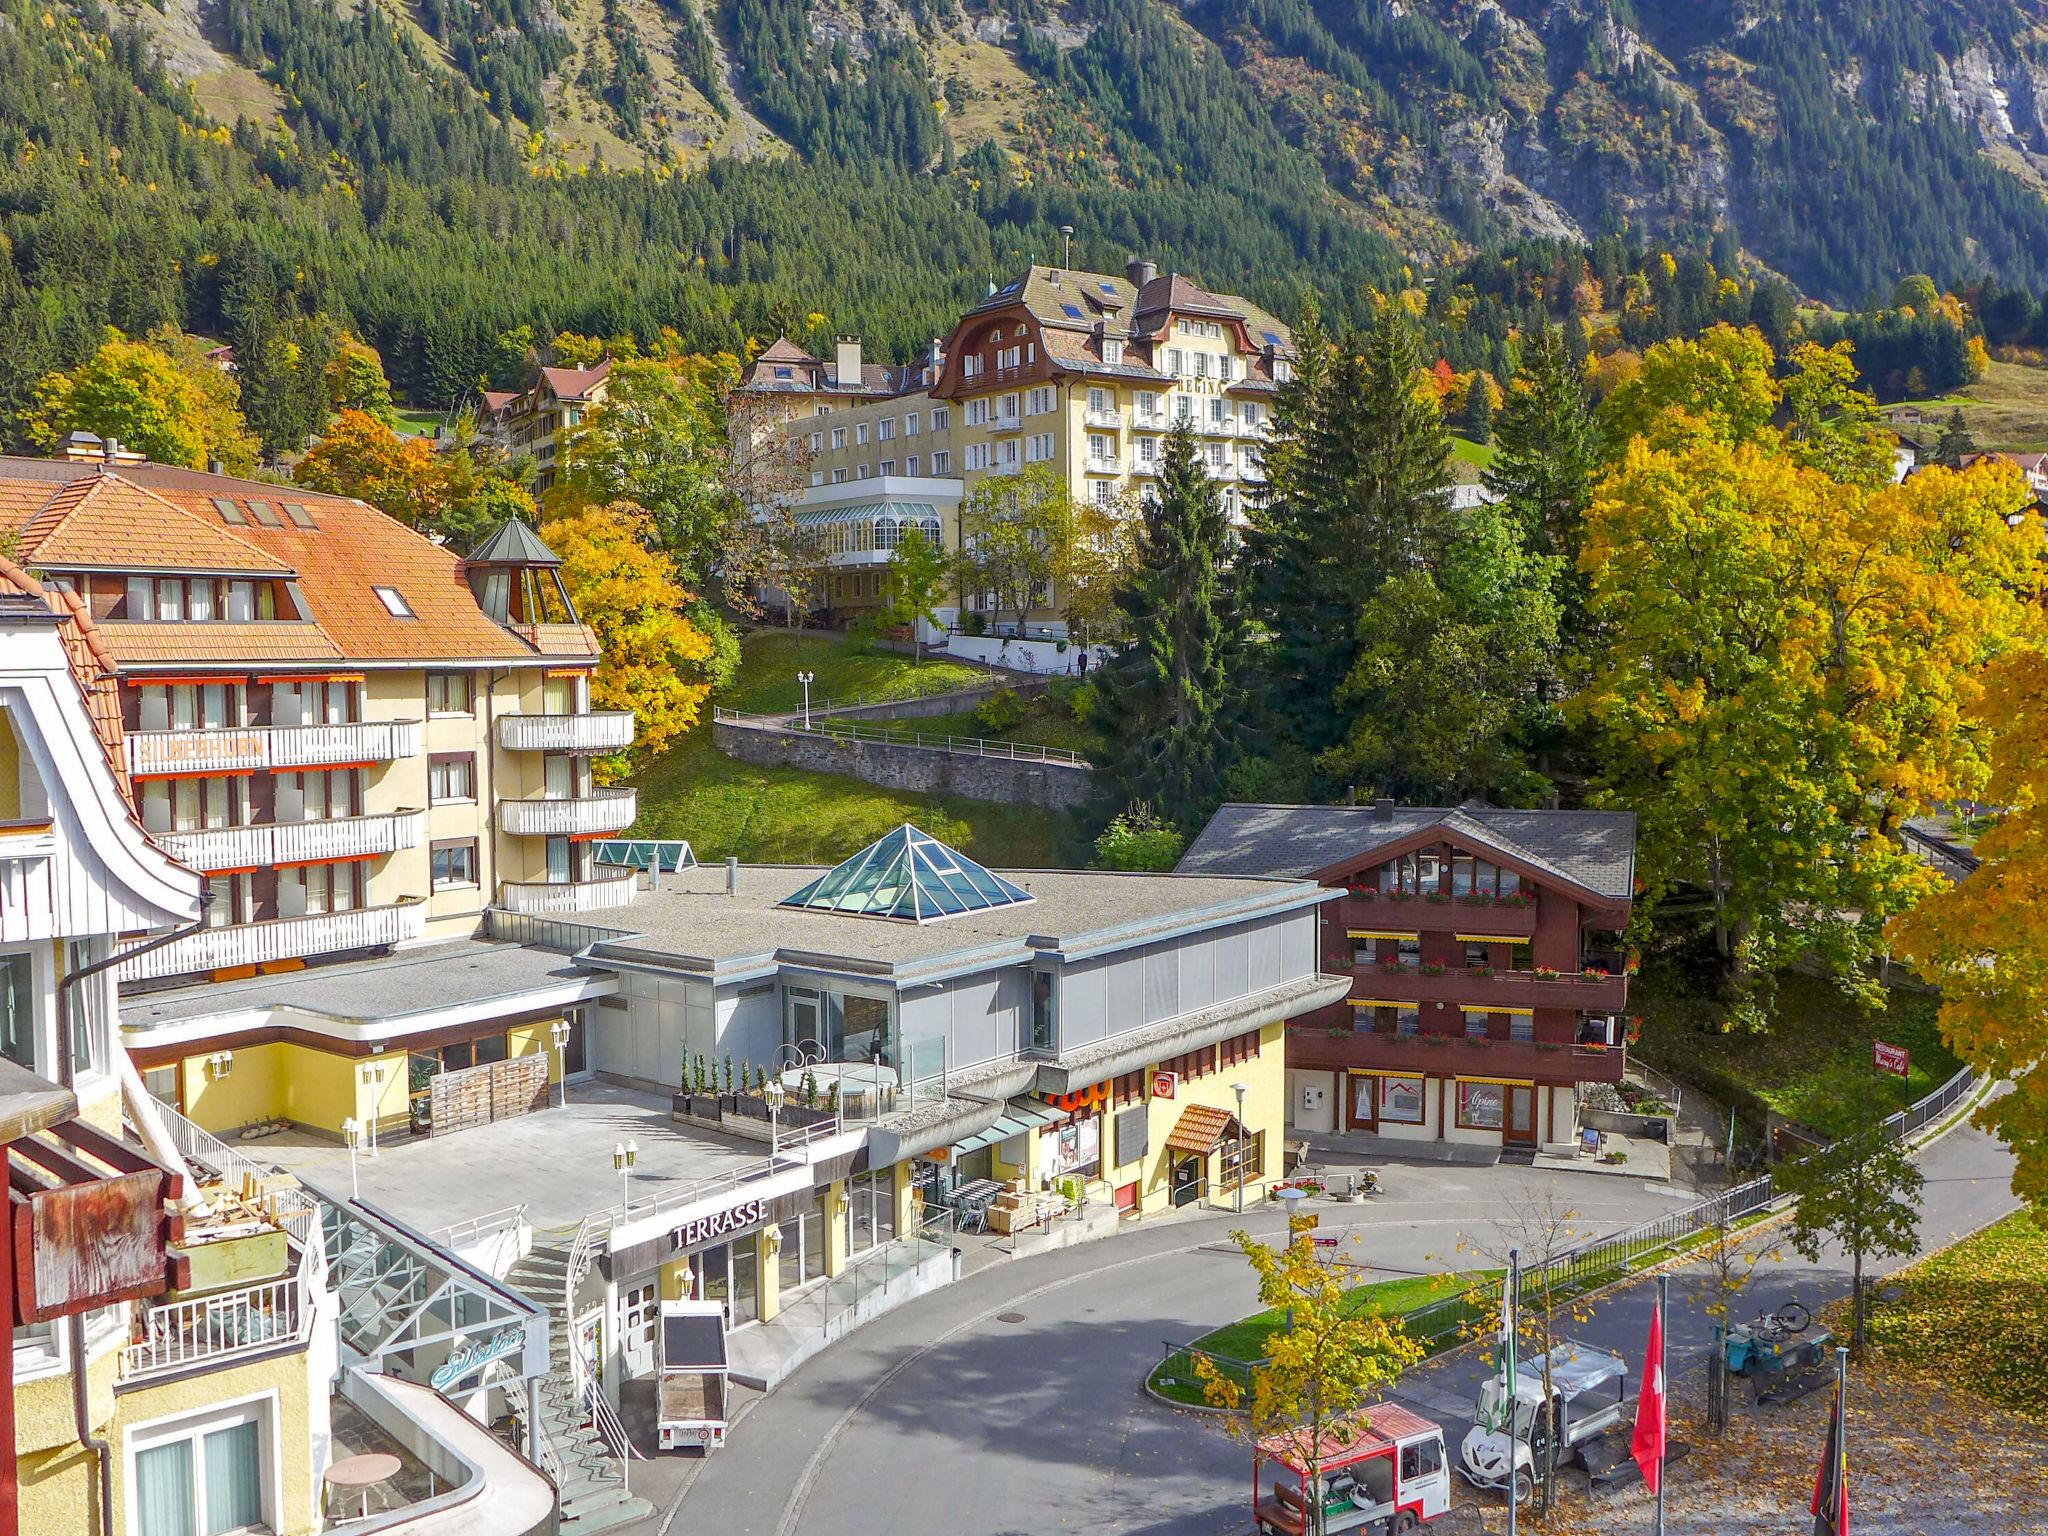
{"points": [[1000, 711], [1138, 840], [1084, 703]]}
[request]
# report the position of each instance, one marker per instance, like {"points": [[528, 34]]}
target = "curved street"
{"points": [[1010, 1404]]}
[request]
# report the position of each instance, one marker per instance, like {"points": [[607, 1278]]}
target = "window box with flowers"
{"points": [[1400, 895], [1437, 899], [1432, 968], [1475, 899], [1593, 973], [1478, 970], [1545, 973], [1516, 899], [1394, 967]]}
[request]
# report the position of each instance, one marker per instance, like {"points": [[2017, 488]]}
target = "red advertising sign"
{"points": [[1165, 1084], [1895, 1059]]}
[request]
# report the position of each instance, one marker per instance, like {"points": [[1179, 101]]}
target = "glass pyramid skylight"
{"points": [[908, 874]]}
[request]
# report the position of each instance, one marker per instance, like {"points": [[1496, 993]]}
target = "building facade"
{"points": [[194, 1336], [1488, 980], [362, 741], [531, 422], [1083, 373]]}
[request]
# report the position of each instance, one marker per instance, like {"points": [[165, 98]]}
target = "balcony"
{"points": [[1583, 992], [596, 814], [1110, 417], [294, 842], [239, 748], [1005, 424], [604, 730], [1102, 466], [1385, 914], [233, 945], [1451, 1056], [1154, 422], [603, 892]]}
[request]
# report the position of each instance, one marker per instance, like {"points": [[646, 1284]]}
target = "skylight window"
{"points": [[229, 512], [1073, 311], [394, 602], [1108, 288], [1271, 339], [300, 517], [908, 874], [265, 514]]}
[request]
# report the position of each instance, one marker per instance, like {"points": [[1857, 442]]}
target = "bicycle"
{"points": [[1784, 1322]]}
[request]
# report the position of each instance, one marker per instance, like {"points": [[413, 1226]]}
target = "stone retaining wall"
{"points": [[914, 769], [935, 704]]}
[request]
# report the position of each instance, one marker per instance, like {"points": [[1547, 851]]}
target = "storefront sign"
{"points": [[1895, 1059], [1401, 1100], [1165, 1084], [1072, 1148], [471, 1358], [702, 1229]]}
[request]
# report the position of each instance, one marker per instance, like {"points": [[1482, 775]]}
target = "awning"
{"points": [[1490, 938], [1019, 1116], [867, 512], [1201, 1130], [1382, 933]]}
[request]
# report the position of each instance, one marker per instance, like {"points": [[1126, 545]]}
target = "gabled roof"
{"points": [[574, 383], [1591, 849], [513, 543], [105, 510], [785, 351], [908, 874]]}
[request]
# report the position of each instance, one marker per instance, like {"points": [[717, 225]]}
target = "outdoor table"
{"points": [[361, 1473]]}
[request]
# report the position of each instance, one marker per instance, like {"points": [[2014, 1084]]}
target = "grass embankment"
{"points": [[1478, 455], [1044, 722], [791, 816], [1812, 1064], [1975, 1317], [2006, 410]]}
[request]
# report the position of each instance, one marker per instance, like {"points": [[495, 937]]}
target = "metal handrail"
{"points": [[794, 1139], [603, 1418], [476, 1226], [848, 730]]}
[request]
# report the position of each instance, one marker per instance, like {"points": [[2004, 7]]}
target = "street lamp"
{"points": [[624, 1155], [352, 1133], [558, 1032], [776, 1095], [1240, 1090], [806, 678]]}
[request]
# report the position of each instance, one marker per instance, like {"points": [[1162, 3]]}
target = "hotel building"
{"points": [[1487, 975]]}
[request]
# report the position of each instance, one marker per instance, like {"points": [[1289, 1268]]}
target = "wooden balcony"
{"points": [[235, 945], [1452, 1056], [599, 813], [1581, 993], [239, 748], [607, 730], [567, 898], [1384, 914]]}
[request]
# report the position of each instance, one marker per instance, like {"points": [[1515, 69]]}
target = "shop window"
{"points": [[1481, 1106], [871, 1209], [1401, 1100], [1248, 1153]]}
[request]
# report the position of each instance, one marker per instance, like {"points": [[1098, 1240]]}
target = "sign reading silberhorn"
{"points": [[701, 1229]]}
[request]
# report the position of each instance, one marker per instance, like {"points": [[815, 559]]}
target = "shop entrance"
{"points": [[1521, 1126], [1186, 1180], [1364, 1106]]}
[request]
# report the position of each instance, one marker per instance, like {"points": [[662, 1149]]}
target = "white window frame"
{"points": [[394, 602], [910, 424], [941, 418], [260, 1407]]}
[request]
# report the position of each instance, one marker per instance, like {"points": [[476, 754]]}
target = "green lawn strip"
{"points": [[843, 672], [1816, 1048], [1044, 723], [1478, 455], [1977, 1313]]}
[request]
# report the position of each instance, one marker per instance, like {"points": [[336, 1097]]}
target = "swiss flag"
{"points": [[1647, 1444], [1830, 1506]]}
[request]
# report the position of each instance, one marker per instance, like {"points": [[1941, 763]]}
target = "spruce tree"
{"points": [[1549, 447], [1957, 441], [1167, 696], [1479, 410]]}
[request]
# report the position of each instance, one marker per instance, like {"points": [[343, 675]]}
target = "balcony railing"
{"points": [[566, 898], [1584, 992], [1006, 423], [1105, 416], [593, 814], [211, 1330], [1102, 466], [607, 730], [1415, 915], [238, 747], [282, 938], [1453, 1055], [295, 842]]}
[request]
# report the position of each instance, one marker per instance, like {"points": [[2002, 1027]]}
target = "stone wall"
{"points": [[934, 704], [916, 770]]}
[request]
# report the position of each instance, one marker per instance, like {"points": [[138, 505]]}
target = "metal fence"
{"points": [[1605, 1259], [849, 730]]}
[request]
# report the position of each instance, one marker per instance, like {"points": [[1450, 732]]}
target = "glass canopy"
{"points": [[908, 874]]}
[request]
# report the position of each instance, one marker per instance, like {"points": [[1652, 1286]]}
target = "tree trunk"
{"points": [[1856, 1303], [1720, 904]]}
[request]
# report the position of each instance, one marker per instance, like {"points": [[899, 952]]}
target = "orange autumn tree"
{"points": [[360, 456], [656, 662], [1985, 942]]}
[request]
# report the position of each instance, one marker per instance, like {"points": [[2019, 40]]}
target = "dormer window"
{"points": [[394, 602], [1112, 351]]}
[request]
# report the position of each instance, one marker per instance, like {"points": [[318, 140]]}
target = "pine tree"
{"points": [[1168, 694], [1479, 409], [1549, 447], [1956, 442]]}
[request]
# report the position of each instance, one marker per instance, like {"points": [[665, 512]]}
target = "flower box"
{"points": [[1432, 969], [1437, 899]]}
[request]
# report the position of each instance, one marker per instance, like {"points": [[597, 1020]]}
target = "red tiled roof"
{"points": [[571, 383], [104, 511], [785, 351]]}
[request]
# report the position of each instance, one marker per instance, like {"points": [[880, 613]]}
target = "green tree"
{"points": [[161, 397], [1016, 533], [1479, 409], [1917, 292], [1138, 840], [1548, 448], [1957, 441], [918, 582], [1333, 1360], [355, 381], [1167, 693], [1861, 1192]]}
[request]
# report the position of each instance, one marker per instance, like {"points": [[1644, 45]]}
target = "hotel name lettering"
{"points": [[702, 1229]]}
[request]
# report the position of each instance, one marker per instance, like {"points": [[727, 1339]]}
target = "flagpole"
{"points": [[1663, 1350], [1842, 1428], [1510, 1338]]}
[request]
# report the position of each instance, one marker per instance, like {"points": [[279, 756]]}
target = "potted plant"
{"points": [[1593, 973], [1394, 967], [1437, 899], [1475, 899], [1545, 973], [1400, 895], [1432, 968], [1481, 969]]}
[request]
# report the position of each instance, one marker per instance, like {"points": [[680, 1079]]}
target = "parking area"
{"points": [[557, 1162]]}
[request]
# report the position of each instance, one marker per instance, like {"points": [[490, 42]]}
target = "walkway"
{"points": [[1009, 1403]]}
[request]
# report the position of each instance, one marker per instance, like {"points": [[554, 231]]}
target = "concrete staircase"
{"points": [[593, 1480]]}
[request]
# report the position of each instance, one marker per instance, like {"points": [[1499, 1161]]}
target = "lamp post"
{"points": [[806, 679], [775, 1094], [1240, 1090], [558, 1032], [624, 1155], [352, 1133]]}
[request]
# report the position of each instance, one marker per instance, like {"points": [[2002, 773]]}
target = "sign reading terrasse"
{"points": [[1895, 1059], [702, 1229]]}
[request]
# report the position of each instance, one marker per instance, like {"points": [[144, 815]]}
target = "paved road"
{"points": [[1009, 1403]]}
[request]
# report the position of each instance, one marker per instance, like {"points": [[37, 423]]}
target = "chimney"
{"points": [[1383, 812], [846, 372], [1141, 272], [112, 450], [935, 356], [732, 875], [215, 467]]}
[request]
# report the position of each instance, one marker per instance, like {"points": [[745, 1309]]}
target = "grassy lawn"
{"points": [[1976, 1317], [788, 815], [2007, 409], [1478, 455], [420, 422], [1045, 723], [843, 673], [1811, 1062]]}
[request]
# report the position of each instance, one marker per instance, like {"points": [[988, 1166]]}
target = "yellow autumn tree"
{"points": [[162, 397], [1985, 942], [656, 662]]}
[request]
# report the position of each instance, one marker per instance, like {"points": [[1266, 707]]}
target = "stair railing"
{"points": [[583, 1380]]}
